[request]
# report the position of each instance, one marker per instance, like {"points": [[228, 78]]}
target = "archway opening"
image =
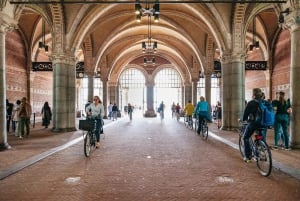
{"points": [[168, 88], [132, 90]]}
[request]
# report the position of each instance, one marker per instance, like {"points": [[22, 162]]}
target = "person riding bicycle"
{"points": [[177, 110], [202, 112], [95, 111], [249, 116], [189, 110]]}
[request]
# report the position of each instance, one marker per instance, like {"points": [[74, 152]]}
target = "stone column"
{"points": [[150, 100], [3, 135], [113, 92], [294, 80], [188, 93], [194, 99], [64, 90], [90, 87], [208, 88], [105, 89], [6, 24], [233, 87]]}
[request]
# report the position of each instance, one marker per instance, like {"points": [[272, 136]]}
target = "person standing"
{"points": [[218, 111], [24, 114], [96, 112], [202, 112], [161, 110], [282, 120], [115, 110], [15, 118], [46, 114], [109, 108], [9, 109]]}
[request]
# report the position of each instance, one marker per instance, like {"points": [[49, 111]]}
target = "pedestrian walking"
{"points": [[46, 114], [24, 115]]}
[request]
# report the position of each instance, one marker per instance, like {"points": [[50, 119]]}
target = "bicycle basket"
{"points": [[86, 125]]}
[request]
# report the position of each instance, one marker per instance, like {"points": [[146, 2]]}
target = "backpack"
{"points": [[265, 115]]}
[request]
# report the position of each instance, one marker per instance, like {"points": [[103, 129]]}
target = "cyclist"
{"points": [[95, 111], [202, 112], [177, 111], [249, 115], [189, 109]]}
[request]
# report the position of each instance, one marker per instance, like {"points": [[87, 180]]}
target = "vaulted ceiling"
{"points": [[108, 37]]}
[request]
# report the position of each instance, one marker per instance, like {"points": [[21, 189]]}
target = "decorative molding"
{"points": [[2, 4]]}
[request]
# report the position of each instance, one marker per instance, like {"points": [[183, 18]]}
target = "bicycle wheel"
{"points": [[190, 124], [242, 146], [87, 144], [263, 158], [204, 131], [196, 125], [186, 121]]}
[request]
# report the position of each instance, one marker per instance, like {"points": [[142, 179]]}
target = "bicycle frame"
{"points": [[259, 150]]}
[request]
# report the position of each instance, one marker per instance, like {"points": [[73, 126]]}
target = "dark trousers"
{"points": [[8, 120], [200, 120], [248, 133], [99, 129]]}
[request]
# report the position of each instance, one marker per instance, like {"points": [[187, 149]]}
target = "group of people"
{"points": [[282, 108], [281, 105], [113, 111], [18, 116]]}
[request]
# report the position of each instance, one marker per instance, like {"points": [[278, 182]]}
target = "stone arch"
{"points": [[58, 28]]}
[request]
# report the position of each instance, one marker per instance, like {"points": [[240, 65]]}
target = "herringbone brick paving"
{"points": [[145, 159]]}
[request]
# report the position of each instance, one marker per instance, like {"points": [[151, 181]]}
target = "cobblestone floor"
{"points": [[145, 159]]}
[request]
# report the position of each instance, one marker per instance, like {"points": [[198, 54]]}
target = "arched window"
{"points": [[168, 88], [132, 89]]}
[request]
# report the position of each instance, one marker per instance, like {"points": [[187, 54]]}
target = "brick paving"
{"points": [[145, 159]]}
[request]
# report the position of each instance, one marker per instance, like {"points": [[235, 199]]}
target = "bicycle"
{"points": [[196, 124], [204, 129], [188, 121], [259, 150], [88, 125]]}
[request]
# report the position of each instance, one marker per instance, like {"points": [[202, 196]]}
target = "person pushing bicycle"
{"points": [[95, 111], [249, 116]]}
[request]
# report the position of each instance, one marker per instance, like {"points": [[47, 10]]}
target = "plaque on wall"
{"points": [[42, 66], [256, 65]]}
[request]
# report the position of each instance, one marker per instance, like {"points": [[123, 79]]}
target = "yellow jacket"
{"points": [[189, 109]]}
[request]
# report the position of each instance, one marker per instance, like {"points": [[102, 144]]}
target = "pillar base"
{"points": [[62, 130], [150, 113], [4, 146]]}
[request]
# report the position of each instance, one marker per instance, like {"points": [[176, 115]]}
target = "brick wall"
{"points": [[281, 69], [39, 86], [282, 62]]}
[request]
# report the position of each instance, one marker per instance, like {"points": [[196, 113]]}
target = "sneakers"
{"points": [[287, 149], [275, 148], [247, 160], [97, 144]]}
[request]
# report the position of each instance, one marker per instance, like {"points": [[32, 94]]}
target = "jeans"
{"points": [[248, 133], [114, 115], [281, 122], [264, 134], [24, 122], [201, 117], [99, 129]]}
